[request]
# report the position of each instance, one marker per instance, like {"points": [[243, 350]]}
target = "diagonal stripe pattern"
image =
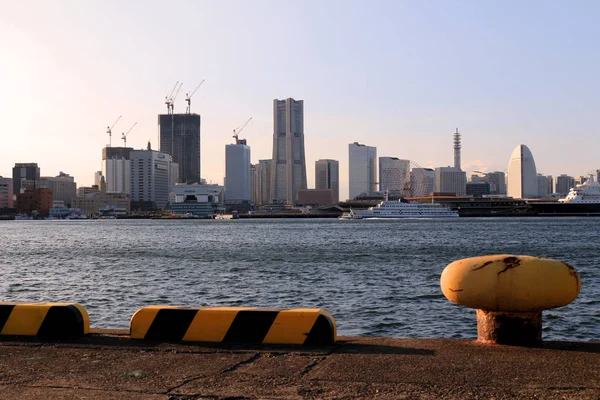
{"points": [[45, 320], [308, 326]]}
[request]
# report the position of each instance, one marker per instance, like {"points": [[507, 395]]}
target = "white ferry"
{"points": [[586, 193], [398, 209]]}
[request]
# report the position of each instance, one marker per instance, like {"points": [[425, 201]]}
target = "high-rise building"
{"points": [[237, 171], [24, 172], [549, 184], [522, 174], [450, 180], [477, 189], [563, 184], [394, 176], [542, 186], [180, 138], [457, 148], [98, 178], [116, 169], [6, 192], [63, 187], [422, 182], [327, 176], [263, 194], [598, 175], [254, 183], [288, 173], [150, 173], [362, 170], [497, 181]]}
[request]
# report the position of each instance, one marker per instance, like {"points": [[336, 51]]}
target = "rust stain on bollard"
{"points": [[509, 328]]}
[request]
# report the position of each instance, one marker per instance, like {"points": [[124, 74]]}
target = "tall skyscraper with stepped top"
{"points": [[288, 173]]}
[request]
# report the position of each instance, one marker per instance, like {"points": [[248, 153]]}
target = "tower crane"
{"points": [[170, 98], [237, 130], [188, 97], [124, 135], [109, 130]]}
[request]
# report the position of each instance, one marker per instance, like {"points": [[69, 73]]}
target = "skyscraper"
{"points": [[522, 174], [180, 138], [327, 176], [422, 182], [564, 183], [264, 182], [394, 175], [288, 174], [24, 172], [150, 172], [362, 169], [497, 181], [237, 171], [116, 169], [450, 180]]}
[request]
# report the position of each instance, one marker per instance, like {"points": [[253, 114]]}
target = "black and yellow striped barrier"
{"points": [[46, 320], [308, 326]]}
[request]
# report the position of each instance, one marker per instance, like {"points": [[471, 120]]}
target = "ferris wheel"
{"points": [[408, 179]]}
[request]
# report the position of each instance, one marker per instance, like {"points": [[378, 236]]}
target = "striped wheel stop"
{"points": [[44, 320], [307, 326]]}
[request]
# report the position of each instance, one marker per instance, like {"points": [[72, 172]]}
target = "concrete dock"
{"points": [[108, 366]]}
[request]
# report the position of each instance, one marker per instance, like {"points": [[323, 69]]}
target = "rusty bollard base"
{"points": [[518, 329]]}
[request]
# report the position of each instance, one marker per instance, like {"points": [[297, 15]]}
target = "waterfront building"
{"points": [[63, 187], [180, 138], [34, 202], [93, 200], [254, 183], [98, 178], [422, 182], [522, 174], [62, 212], [237, 171], [24, 172], [549, 184], [563, 184], [194, 199], [315, 197], [497, 181], [394, 176], [542, 186], [362, 170], [477, 189], [150, 173], [116, 169], [6, 192], [263, 190], [450, 180], [327, 176], [288, 172]]}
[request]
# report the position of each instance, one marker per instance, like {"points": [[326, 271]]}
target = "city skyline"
{"points": [[505, 74]]}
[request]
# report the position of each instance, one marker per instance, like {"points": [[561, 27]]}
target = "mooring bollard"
{"points": [[510, 293]]}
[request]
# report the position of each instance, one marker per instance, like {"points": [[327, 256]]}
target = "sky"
{"points": [[397, 75]]}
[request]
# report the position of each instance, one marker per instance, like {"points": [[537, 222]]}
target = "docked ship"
{"points": [[582, 200], [399, 209]]}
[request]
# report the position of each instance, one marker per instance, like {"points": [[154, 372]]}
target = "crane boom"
{"points": [[188, 97], [109, 130], [239, 129], [169, 99], [124, 135]]}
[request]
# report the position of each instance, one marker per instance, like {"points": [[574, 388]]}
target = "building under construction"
{"points": [[180, 138]]}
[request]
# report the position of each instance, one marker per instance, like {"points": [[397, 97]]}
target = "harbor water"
{"points": [[377, 277]]}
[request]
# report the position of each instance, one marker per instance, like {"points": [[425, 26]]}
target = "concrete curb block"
{"points": [[44, 320], [303, 326]]}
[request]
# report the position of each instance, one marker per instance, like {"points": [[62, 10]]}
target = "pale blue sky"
{"points": [[397, 75]]}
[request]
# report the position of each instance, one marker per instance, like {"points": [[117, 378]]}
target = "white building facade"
{"points": [[237, 172], [150, 176], [362, 170], [522, 174]]}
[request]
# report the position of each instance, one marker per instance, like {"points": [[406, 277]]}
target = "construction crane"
{"points": [[188, 97], [170, 98], [239, 129], [109, 131], [124, 135]]}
